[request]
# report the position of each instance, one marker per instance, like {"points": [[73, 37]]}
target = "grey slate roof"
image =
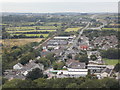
{"points": [[76, 65]]}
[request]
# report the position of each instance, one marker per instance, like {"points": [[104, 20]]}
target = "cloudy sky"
{"points": [[52, 6]]}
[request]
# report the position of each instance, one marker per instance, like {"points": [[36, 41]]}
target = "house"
{"points": [[12, 74], [84, 47], [89, 53], [30, 66], [95, 68], [44, 53], [72, 73], [18, 66], [74, 64], [19, 71], [96, 62], [107, 72]]}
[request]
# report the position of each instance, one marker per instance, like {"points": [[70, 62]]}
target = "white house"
{"points": [[18, 66]]}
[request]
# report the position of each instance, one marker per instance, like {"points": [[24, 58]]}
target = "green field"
{"points": [[111, 61], [72, 29], [33, 28], [52, 23], [31, 31]]}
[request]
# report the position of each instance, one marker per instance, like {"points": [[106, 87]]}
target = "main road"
{"points": [[76, 40]]}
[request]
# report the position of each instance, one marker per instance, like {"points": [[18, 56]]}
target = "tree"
{"points": [[79, 40], [35, 74], [46, 62], [40, 82], [83, 58], [26, 57], [77, 56], [41, 36], [117, 67], [58, 65], [91, 84], [72, 85], [69, 56], [51, 57], [4, 80], [93, 57], [111, 53], [18, 83]]}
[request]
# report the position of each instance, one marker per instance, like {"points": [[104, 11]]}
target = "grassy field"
{"points": [[33, 28], [111, 61], [52, 23], [19, 42], [72, 29], [31, 31]]}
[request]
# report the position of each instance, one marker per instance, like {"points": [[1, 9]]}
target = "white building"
{"points": [[63, 37], [72, 73], [18, 66], [95, 68]]}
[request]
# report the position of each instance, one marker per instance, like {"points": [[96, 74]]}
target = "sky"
{"points": [[55, 6]]}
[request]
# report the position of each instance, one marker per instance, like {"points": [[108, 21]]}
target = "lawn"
{"points": [[72, 29], [19, 42], [111, 61]]}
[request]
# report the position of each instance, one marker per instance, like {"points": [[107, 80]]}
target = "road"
{"points": [[76, 40], [100, 27]]}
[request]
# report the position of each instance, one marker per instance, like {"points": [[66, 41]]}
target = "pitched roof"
{"points": [[75, 64]]}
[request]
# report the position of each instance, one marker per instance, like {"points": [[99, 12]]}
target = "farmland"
{"points": [[111, 61], [33, 28], [116, 29], [72, 29], [19, 42], [22, 31], [38, 35]]}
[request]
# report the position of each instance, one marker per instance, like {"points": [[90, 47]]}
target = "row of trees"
{"points": [[111, 53], [63, 83], [24, 36], [35, 32]]}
